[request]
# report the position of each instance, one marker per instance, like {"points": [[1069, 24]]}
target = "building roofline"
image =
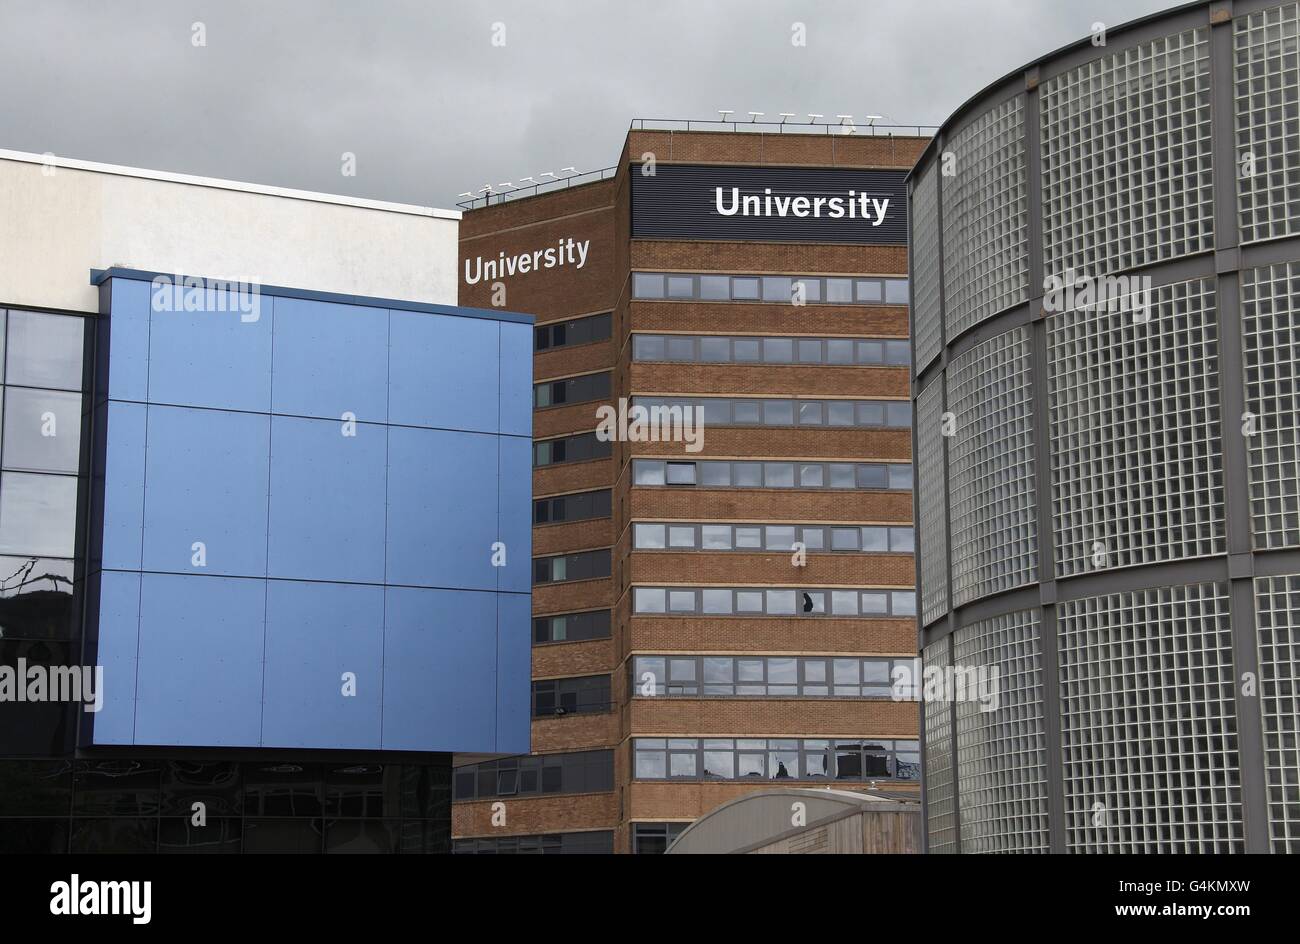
{"points": [[1052, 56], [217, 183], [99, 276]]}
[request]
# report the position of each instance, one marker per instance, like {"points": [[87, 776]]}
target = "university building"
{"points": [[719, 616], [264, 499], [1109, 508]]}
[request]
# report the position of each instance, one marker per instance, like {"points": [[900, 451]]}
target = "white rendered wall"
{"points": [[59, 220]]}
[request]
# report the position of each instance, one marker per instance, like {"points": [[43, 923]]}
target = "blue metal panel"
{"points": [[441, 508], [206, 479], [330, 359], [517, 379], [380, 543], [327, 500], [124, 464], [200, 675], [514, 513], [440, 667], [316, 632], [514, 673], [443, 372], [211, 358], [129, 341], [119, 619]]}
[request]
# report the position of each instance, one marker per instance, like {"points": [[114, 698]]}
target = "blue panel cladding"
{"points": [[273, 564], [440, 668], [199, 677], [321, 637], [442, 508], [327, 526], [205, 484], [444, 372]]}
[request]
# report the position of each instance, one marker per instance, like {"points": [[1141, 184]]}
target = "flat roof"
{"points": [[99, 276], [220, 184]]}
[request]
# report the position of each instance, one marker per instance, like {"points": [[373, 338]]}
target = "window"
{"points": [[767, 601], [647, 285], [42, 430], [577, 448], [860, 760], [588, 694], [724, 411], [38, 514], [773, 289], [596, 842], [585, 565], [572, 333], [877, 539], [571, 627], [773, 676], [654, 838], [880, 352], [44, 350], [576, 772], [775, 474], [579, 507], [573, 390]]}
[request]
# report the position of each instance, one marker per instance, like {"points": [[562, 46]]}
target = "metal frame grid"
{"points": [[986, 218], [1126, 155], [1267, 91], [1149, 722], [1270, 324], [1002, 754], [1137, 452], [937, 783], [926, 314], [1277, 613], [932, 504], [991, 468]]}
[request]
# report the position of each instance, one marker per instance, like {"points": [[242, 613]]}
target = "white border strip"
{"points": [[220, 184]]}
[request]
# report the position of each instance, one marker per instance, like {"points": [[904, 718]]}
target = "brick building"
{"points": [[680, 656]]}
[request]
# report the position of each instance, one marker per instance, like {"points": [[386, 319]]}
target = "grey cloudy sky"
{"points": [[431, 107]]}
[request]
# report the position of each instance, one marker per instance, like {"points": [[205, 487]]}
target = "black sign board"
{"points": [[780, 204]]}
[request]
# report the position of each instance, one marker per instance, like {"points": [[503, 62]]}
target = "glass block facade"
{"points": [[1267, 93], [985, 207], [1149, 722], [991, 472], [926, 315], [1119, 496], [939, 760], [1001, 743], [932, 502], [1270, 325], [1137, 453], [1278, 621], [1112, 132]]}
